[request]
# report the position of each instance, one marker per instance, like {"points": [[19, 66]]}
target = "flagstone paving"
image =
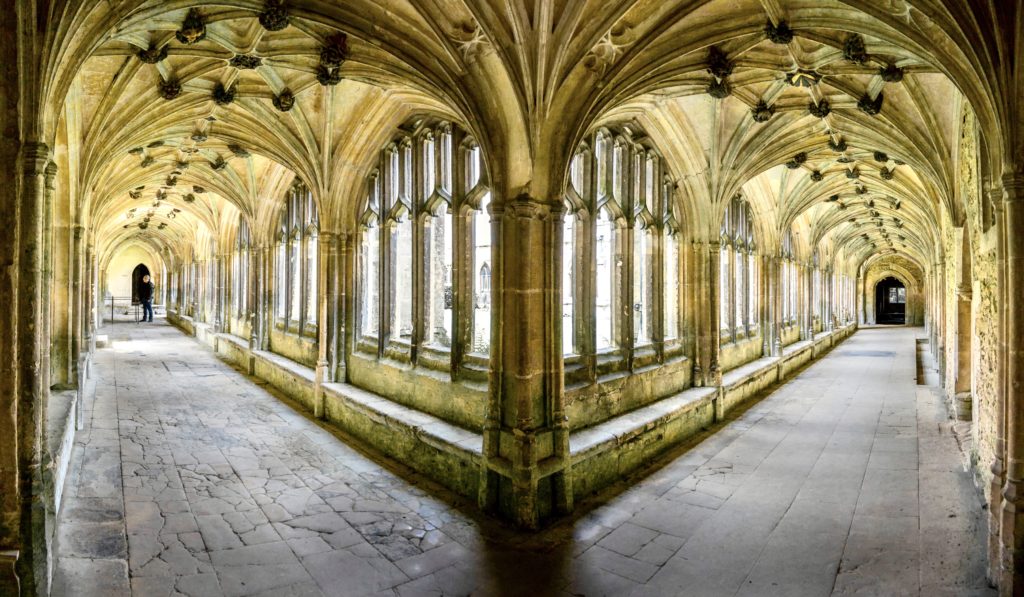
{"points": [[192, 479]]}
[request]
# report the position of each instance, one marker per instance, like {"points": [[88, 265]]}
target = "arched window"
{"points": [[618, 235], [296, 265], [369, 262], [738, 270], [427, 205]]}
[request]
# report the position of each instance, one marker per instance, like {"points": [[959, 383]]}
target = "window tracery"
{"points": [[296, 275], [738, 270], [426, 204]]}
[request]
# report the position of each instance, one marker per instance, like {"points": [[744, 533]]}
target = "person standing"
{"points": [[146, 296]]}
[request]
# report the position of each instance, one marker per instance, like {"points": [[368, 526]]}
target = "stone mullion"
{"points": [[253, 309], [1012, 531], [998, 466], [585, 308], [776, 317], [714, 270], [463, 297], [343, 276], [267, 295], [626, 247], [525, 432], [420, 262], [656, 286], [32, 564], [463, 243], [696, 310], [804, 300]]}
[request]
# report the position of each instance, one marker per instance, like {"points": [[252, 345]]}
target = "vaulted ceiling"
{"points": [[837, 116]]}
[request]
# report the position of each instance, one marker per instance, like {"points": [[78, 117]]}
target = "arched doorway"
{"points": [[137, 274], [891, 302]]}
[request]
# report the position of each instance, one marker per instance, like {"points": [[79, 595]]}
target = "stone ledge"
{"points": [[60, 437], [448, 454]]}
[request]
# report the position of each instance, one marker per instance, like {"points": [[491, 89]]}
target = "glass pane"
{"points": [[312, 281], [294, 281], [752, 289], [740, 280], [401, 306], [369, 278], [671, 287], [482, 264], [281, 287], [428, 167], [641, 286], [724, 284], [568, 283], [439, 281], [605, 290]]}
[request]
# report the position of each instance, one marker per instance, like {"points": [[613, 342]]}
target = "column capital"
{"points": [[34, 158], [1013, 187], [525, 207]]}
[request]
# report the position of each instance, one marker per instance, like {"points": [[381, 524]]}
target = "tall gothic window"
{"points": [[427, 203], [738, 270], [478, 192], [618, 222], [296, 262], [369, 263]]}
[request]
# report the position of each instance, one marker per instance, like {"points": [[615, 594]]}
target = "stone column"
{"points": [[33, 563], [1012, 532], [78, 323], [998, 467], [526, 466], [327, 244], [254, 306], [714, 313]]}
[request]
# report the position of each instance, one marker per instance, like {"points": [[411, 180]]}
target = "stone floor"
{"points": [[191, 479]]}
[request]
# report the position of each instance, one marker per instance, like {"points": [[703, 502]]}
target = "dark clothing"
{"points": [[146, 291], [146, 296]]}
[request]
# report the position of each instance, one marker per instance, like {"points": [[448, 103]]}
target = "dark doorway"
{"points": [[137, 273], [891, 302]]}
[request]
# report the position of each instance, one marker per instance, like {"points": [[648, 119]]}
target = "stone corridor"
{"points": [[191, 479]]}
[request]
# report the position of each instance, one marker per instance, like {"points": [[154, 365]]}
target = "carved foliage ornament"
{"points": [[886, 173], [284, 101], [817, 176], [193, 28], [224, 96], [170, 89], [779, 34], [839, 146], [881, 156], [820, 109], [719, 64], [718, 89], [328, 76], [854, 49], [869, 106], [798, 159], [274, 16], [152, 54], [245, 61], [762, 112], [334, 51], [852, 173], [891, 73]]}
